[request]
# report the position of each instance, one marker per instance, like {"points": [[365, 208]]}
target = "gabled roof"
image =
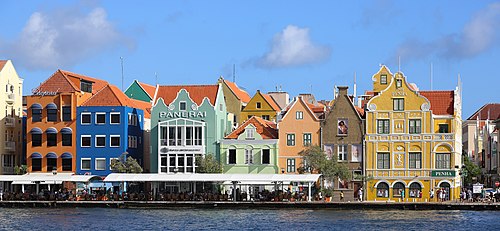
{"points": [[2, 63], [267, 129], [196, 92], [240, 94], [109, 96], [316, 108], [271, 102], [306, 105], [493, 109], [149, 89], [441, 101], [145, 106], [65, 81], [360, 111]]}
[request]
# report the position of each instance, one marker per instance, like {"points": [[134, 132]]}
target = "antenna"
{"points": [[399, 63], [121, 59], [156, 78], [234, 73], [431, 76], [311, 88], [354, 97]]}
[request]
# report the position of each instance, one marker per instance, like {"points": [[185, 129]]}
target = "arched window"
{"points": [[36, 162], [415, 190], [382, 190], [67, 161], [444, 191], [36, 112], [51, 161], [398, 189], [248, 155]]}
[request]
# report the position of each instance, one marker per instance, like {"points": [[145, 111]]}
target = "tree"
{"points": [[317, 161], [469, 170], [20, 170], [122, 165], [208, 164]]}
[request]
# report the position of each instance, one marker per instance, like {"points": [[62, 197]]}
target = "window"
{"points": [[100, 141], [85, 141], [399, 104], [100, 118], [383, 79], [266, 156], [36, 115], [415, 126], [383, 126], [382, 190], [52, 115], [250, 133], [415, 190], [85, 164], [307, 139], [86, 86], [66, 110], [182, 106], [36, 164], [248, 156], [443, 128], [114, 117], [357, 175], [443, 160], [85, 118], [258, 105], [290, 165], [299, 115], [67, 164], [342, 152], [383, 161], [343, 184], [290, 139], [51, 164], [8, 160], [115, 141], [36, 140], [398, 189], [399, 83], [415, 160], [51, 139], [221, 108], [66, 139], [100, 164], [232, 156], [132, 119], [266, 117]]}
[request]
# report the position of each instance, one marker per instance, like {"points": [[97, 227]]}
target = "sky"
{"points": [[298, 46]]}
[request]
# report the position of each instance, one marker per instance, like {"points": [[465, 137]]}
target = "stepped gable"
{"points": [[267, 129], [271, 102], [240, 94], [196, 92], [493, 109], [441, 101], [149, 89]]}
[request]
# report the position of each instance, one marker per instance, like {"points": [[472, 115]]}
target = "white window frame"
{"points": [[250, 133], [129, 122], [304, 136], [248, 156], [100, 113], [114, 113], [185, 106], [95, 140], [344, 153], [90, 163], [114, 136], [81, 141], [299, 115], [262, 156], [95, 162], [81, 118], [235, 156]]}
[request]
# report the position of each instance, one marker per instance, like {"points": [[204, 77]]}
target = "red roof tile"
{"points": [[196, 92], [316, 108], [493, 109], [109, 96], [271, 102], [65, 81], [240, 94], [97, 83], [361, 112], [2, 63], [145, 106], [267, 129], [441, 101], [149, 89]]}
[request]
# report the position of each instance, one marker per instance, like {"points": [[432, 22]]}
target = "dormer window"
{"points": [[383, 79], [399, 83], [86, 86], [250, 133]]}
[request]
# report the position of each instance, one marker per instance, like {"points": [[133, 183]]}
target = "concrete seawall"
{"points": [[250, 205]]}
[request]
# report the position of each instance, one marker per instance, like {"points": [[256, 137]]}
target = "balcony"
{"points": [[11, 97], [10, 146], [10, 122]]}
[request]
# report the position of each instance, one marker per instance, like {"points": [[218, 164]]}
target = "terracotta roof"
{"points": [[109, 96], [267, 129], [240, 94], [2, 63], [316, 108], [492, 108], [149, 89], [145, 106], [441, 101], [360, 111], [65, 81], [196, 92], [271, 102]]}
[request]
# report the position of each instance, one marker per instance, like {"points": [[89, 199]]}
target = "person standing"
{"points": [[360, 194], [431, 193], [341, 196], [402, 195]]}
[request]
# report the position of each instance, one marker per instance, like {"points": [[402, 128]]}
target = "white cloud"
{"points": [[63, 38], [477, 36], [293, 47]]}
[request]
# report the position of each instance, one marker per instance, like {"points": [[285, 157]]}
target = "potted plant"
{"points": [[328, 192]]}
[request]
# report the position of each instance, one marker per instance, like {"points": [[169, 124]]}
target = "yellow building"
{"points": [[413, 141], [261, 105]]}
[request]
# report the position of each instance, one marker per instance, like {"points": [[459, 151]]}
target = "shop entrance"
{"points": [[444, 191]]}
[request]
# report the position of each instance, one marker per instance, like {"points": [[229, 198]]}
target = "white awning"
{"points": [[45, 178], [240, 178]]}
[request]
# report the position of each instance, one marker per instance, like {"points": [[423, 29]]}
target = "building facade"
{"points": [[342, 135], [413, 141], [11, 117], [236, 99], [141, 91], [186, 122], [109, 125], [262, 105], [251, 149]]}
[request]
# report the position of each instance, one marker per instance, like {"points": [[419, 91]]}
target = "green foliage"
{"points": [[470, 170], [328, 192], [130, 165], [20, 170], [330, 169], [208, 164]]}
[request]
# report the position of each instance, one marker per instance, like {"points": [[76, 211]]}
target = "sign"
{"points": [[182, 150], [476, 188], [443, 173], [183, 114], [43, 93]]}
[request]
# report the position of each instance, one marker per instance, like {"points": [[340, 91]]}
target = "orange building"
{"points": [[51, 120]]}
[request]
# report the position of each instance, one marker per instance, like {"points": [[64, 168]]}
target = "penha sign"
{"points": [[443, 173]]}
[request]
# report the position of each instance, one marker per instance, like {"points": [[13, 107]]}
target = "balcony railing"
{"points": [[10, 122], [10, 145], [11, 97], [398, 173]]}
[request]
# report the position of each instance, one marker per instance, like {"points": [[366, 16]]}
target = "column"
{"points": [[309, 191], [235, 183]]}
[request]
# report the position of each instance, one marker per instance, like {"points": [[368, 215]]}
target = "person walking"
{"points": [[360, 194]]}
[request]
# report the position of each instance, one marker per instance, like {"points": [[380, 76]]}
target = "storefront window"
{"points": [[398, 189], [415, 190], [383, 190]]}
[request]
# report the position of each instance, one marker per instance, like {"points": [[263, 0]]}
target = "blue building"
{"points": [[109, 124]]}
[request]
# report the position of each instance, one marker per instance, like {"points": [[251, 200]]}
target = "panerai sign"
{"points": [[183, 114], [443, 173]]}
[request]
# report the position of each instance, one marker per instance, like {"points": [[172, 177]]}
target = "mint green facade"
{"points": [[135, 91], [256, 145], [211, 118]]}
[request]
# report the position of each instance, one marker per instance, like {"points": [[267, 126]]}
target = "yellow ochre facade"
{"points": [[412, 142]]}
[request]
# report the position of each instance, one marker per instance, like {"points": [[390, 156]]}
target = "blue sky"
{"points": [[303, 47]]}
